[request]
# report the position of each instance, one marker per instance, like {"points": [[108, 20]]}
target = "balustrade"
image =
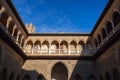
{"points": [[73, 51], [28, 51], [109, 36], [44, 51], [56, 51]]}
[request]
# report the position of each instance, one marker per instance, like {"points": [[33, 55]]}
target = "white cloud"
{"points": [[60, 22]]}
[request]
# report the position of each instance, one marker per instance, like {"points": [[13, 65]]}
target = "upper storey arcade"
{"points": [[108, 25], [106, 29], [11, 24], [59, 43]]}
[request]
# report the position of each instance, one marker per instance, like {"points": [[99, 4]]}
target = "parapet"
{"points": [[30, 28]]}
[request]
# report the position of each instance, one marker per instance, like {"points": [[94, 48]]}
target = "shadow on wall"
{"points": [[30, 75], [85, 68], [23, 75]]}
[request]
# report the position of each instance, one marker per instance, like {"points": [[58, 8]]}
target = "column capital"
{"points": [[33, 41], [14, 27], [59, 41], [68, 48], [77, 41]]}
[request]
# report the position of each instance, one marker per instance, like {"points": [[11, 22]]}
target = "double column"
{"points": [[59, 47], [67, 51], [14, 27], [33, 48], [68, 47], [21, 41], [49, 51]]}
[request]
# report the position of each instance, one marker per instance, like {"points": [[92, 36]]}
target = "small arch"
{"points": [[40, 77], [73, 46], [26, 77], [11, 25], [116, 18], [45, 47], [91, 77], [29, 46], [107, 76], [99, 39], [54, 47], [78, 77], [64, 47], [109, 27], [37, 46], [81, 47], [104, 33], [4, 18], [59, 72], [11, 76]]}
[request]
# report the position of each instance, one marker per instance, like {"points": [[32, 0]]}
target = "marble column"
{"points": [[14, 27], [18, 35], [21, 41], [8, 21]]}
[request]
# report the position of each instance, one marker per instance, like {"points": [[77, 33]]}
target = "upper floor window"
{"points": [[3, 19], [116, 18], [104, 33], [109, 27]]}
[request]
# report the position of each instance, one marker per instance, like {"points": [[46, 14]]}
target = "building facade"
{"points": [[26, 55]]}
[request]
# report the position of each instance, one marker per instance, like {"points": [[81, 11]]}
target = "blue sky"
{"points": [[60, 15]]}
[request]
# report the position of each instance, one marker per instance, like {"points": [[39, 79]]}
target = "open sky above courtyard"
{"points": [[60, 15]]}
